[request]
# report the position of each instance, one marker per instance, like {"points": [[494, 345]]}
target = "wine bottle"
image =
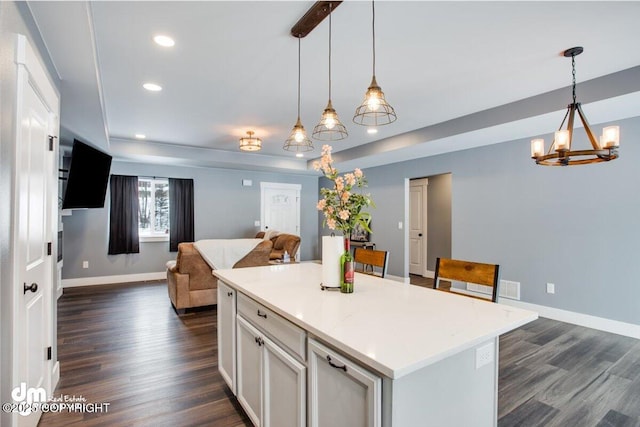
{"points": [[346, 269]]}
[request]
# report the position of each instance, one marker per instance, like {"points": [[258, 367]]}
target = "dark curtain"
{"points": [[180, 212], [123, 227]]}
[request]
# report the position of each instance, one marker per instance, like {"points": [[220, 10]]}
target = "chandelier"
{"points": [[250, 143], [561, 153]]}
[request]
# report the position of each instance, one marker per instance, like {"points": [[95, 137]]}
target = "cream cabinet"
{"points": [[227, 334], [271, 384], [341, 393]]}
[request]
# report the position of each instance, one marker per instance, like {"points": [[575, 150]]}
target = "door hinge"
{"points": [[49, 248], [51, 138], [49, 353]]}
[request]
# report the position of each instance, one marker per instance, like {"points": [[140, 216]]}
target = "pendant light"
{"points": [[329, 128], [602, 151], [374, 110], [298, 140]]}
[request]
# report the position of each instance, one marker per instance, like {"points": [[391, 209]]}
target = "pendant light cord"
{"points": [[329, 51], [373, 25], [298, 78]]}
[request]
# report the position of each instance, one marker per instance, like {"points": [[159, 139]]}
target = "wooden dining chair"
{"points": [[469, 272], [371, 261]]}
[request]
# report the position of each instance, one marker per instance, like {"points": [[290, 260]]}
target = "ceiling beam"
{"points": [[313, 17]]}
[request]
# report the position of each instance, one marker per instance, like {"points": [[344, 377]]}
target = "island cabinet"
{"points": [[341, 393], [271, 374], [227, 334]]}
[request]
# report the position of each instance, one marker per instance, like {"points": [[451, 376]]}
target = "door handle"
{"points": [[261, 314], [229, 294], [419, 234], [32, 288], [333, 365]]}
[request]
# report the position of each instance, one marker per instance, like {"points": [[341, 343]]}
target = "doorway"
{"points": [[280, 207], [429, 218]]}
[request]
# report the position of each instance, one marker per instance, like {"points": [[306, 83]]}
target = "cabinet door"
{"points": [[341, 393], [284, 388], [249, 384], [227, 334]]}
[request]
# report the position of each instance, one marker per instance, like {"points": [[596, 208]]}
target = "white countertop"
{"points": [[391, 327]]}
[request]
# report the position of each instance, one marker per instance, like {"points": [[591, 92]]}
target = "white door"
{"points": [[341, 393], [249, 370], [418, 226], [227, 334], [284, 388], [35, 179], [280, 207]]}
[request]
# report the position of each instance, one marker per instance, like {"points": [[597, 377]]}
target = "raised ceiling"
{"points": [[454, 71]]}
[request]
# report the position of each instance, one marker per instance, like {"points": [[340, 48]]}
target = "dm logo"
{"points": [[28, 396]]}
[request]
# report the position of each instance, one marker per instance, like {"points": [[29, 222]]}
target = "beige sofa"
{"points": [[189, 279]]}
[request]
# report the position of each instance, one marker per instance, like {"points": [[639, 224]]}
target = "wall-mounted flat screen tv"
{"points": [[88, 177]]}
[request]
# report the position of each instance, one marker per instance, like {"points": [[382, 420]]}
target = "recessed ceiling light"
{"points": [[299, 154], [372, 131], [165, 41], [152, 87], [140, 136]]}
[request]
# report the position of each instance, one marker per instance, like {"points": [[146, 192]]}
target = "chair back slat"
{"points": [[467, 271], [373, 258]]}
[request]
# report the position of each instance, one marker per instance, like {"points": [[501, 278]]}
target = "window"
{"points": [[153, 221]]}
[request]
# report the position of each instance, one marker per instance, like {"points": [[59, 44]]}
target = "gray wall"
{"points": [[223, 209], [575, 226], [438, 219], [14, 19]]}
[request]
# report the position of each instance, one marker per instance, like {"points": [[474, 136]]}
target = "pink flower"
{"points": [[321, 204], [316, 165], [326, 149], [344, 214], [339, 183], [358, 173], [330, 210], [331, 223], [345, 197], [350, 178]]}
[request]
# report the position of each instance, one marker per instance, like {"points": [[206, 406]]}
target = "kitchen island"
{"points": [[390, 354]]}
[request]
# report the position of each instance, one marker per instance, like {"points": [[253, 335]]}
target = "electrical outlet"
{"points": [[485, 354], [85, 264], [551, 288], [400, 225]]}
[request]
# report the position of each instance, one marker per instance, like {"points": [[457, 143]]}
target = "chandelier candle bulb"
{"points": [[561, 140], [537, 147], [610, 137]]}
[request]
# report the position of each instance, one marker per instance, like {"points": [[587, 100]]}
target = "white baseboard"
{"points": [[586, 320], [430, 274], [106, 280]]}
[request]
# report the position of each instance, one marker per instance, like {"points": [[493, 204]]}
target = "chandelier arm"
{"points": [[587, 128], [572, 114]]}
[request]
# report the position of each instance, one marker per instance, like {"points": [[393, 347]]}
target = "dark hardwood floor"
{"points": [[124, 345]]}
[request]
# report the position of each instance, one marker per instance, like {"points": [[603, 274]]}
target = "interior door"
{"points": [[418, 226], [280, 207], [34, 268]]}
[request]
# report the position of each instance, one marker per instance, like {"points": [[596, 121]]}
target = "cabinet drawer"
{"points": [[286, 333]]}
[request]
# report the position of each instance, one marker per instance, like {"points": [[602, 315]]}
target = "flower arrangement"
{"points": [[341, 206]]}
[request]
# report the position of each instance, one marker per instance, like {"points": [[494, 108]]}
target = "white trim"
{"points": [[278, 185], [586, 320], [106, 280], [55, 375], [153, 238]]}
